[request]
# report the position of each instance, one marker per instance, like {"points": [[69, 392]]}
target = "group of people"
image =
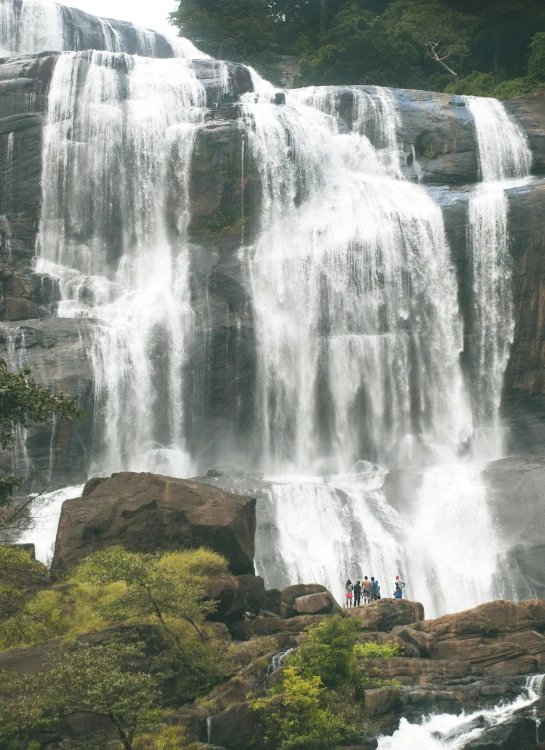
{"points": [[368, 590]]}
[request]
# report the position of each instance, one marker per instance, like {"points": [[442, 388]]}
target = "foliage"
{"points": [[20, 577], [437, 44], [166, 738], [299, 719], [162, 587], [371, 650], [22, 403], [328, 652], [116, 586], [191, 668], [101, 680]]}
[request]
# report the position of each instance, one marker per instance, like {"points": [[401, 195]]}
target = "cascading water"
{"points": [[503, 155], [30, 26], [450, 732], [33, 26], [354, 298], [114, 147], [359, 341]]}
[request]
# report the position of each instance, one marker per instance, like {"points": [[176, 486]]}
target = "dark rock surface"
{"points": [[517, 491], [147, 512]]}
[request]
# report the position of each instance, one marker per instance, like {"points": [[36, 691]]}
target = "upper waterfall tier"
{"points": [[30, 26]]}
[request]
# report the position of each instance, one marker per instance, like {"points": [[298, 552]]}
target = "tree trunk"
{"points": [[456, 77], [127, 744]]}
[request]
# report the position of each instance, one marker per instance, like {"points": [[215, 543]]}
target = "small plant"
{"points": [[488, 629], [372, 650]]}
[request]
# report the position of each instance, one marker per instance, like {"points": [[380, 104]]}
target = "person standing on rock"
{"points": [[349, 588], [398, 591], [375, 590], [366, 583], [357, 594]]}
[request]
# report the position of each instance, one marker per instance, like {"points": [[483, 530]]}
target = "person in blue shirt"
{"points": [[375, 590], [399, 586]]}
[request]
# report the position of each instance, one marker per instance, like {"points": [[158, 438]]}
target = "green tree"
{"points": [[298, 717], [228, 29], [328, 652], [443, 33], [161, 587], [83, 679], [536, 62], [20, 578], [22, 403]]}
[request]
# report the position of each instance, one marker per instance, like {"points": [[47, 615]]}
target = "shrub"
{"points": [[298, 717], [328, 652], [377, 650]]}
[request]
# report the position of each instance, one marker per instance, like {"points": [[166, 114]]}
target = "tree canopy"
{"points": [[491, 47]]}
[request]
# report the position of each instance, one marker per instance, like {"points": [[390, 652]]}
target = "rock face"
{"points": [[386, 614], [147, 512]]}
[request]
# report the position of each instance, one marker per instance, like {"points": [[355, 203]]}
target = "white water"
{"points": [[41, 27], [45, 515], [385, 345], [114, 157], [359, 340], [355, 301], [450, 732], [503, 155]]}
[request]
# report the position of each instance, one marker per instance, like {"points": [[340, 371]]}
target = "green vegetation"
{"points": [[494, 47], [376, 650], [22, 403], [318, 703], [110, 587], [151, 646], [82, 679]]}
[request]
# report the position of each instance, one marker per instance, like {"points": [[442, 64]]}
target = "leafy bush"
{"points": [[116, 586], [298, 718], [328, 652], [101, 680], [377, 650]]}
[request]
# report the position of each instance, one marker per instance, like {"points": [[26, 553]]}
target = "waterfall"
{"points": [[503, 155], [31, 26], [355, 300], [451, 732], [117, 149]]}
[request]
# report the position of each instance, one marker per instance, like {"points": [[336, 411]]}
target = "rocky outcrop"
{"points": [[147, 512], [386, 614]]}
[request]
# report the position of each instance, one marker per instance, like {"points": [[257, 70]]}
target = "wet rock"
{"points": [[148, 512], [381, 701]]}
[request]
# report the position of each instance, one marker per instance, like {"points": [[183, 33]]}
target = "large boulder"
{"points": [[149, 512], [322, 603], [385, 614], [291, 593], [236, 596]]}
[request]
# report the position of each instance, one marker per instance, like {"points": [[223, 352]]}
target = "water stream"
{"points": [[451, 732]]}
